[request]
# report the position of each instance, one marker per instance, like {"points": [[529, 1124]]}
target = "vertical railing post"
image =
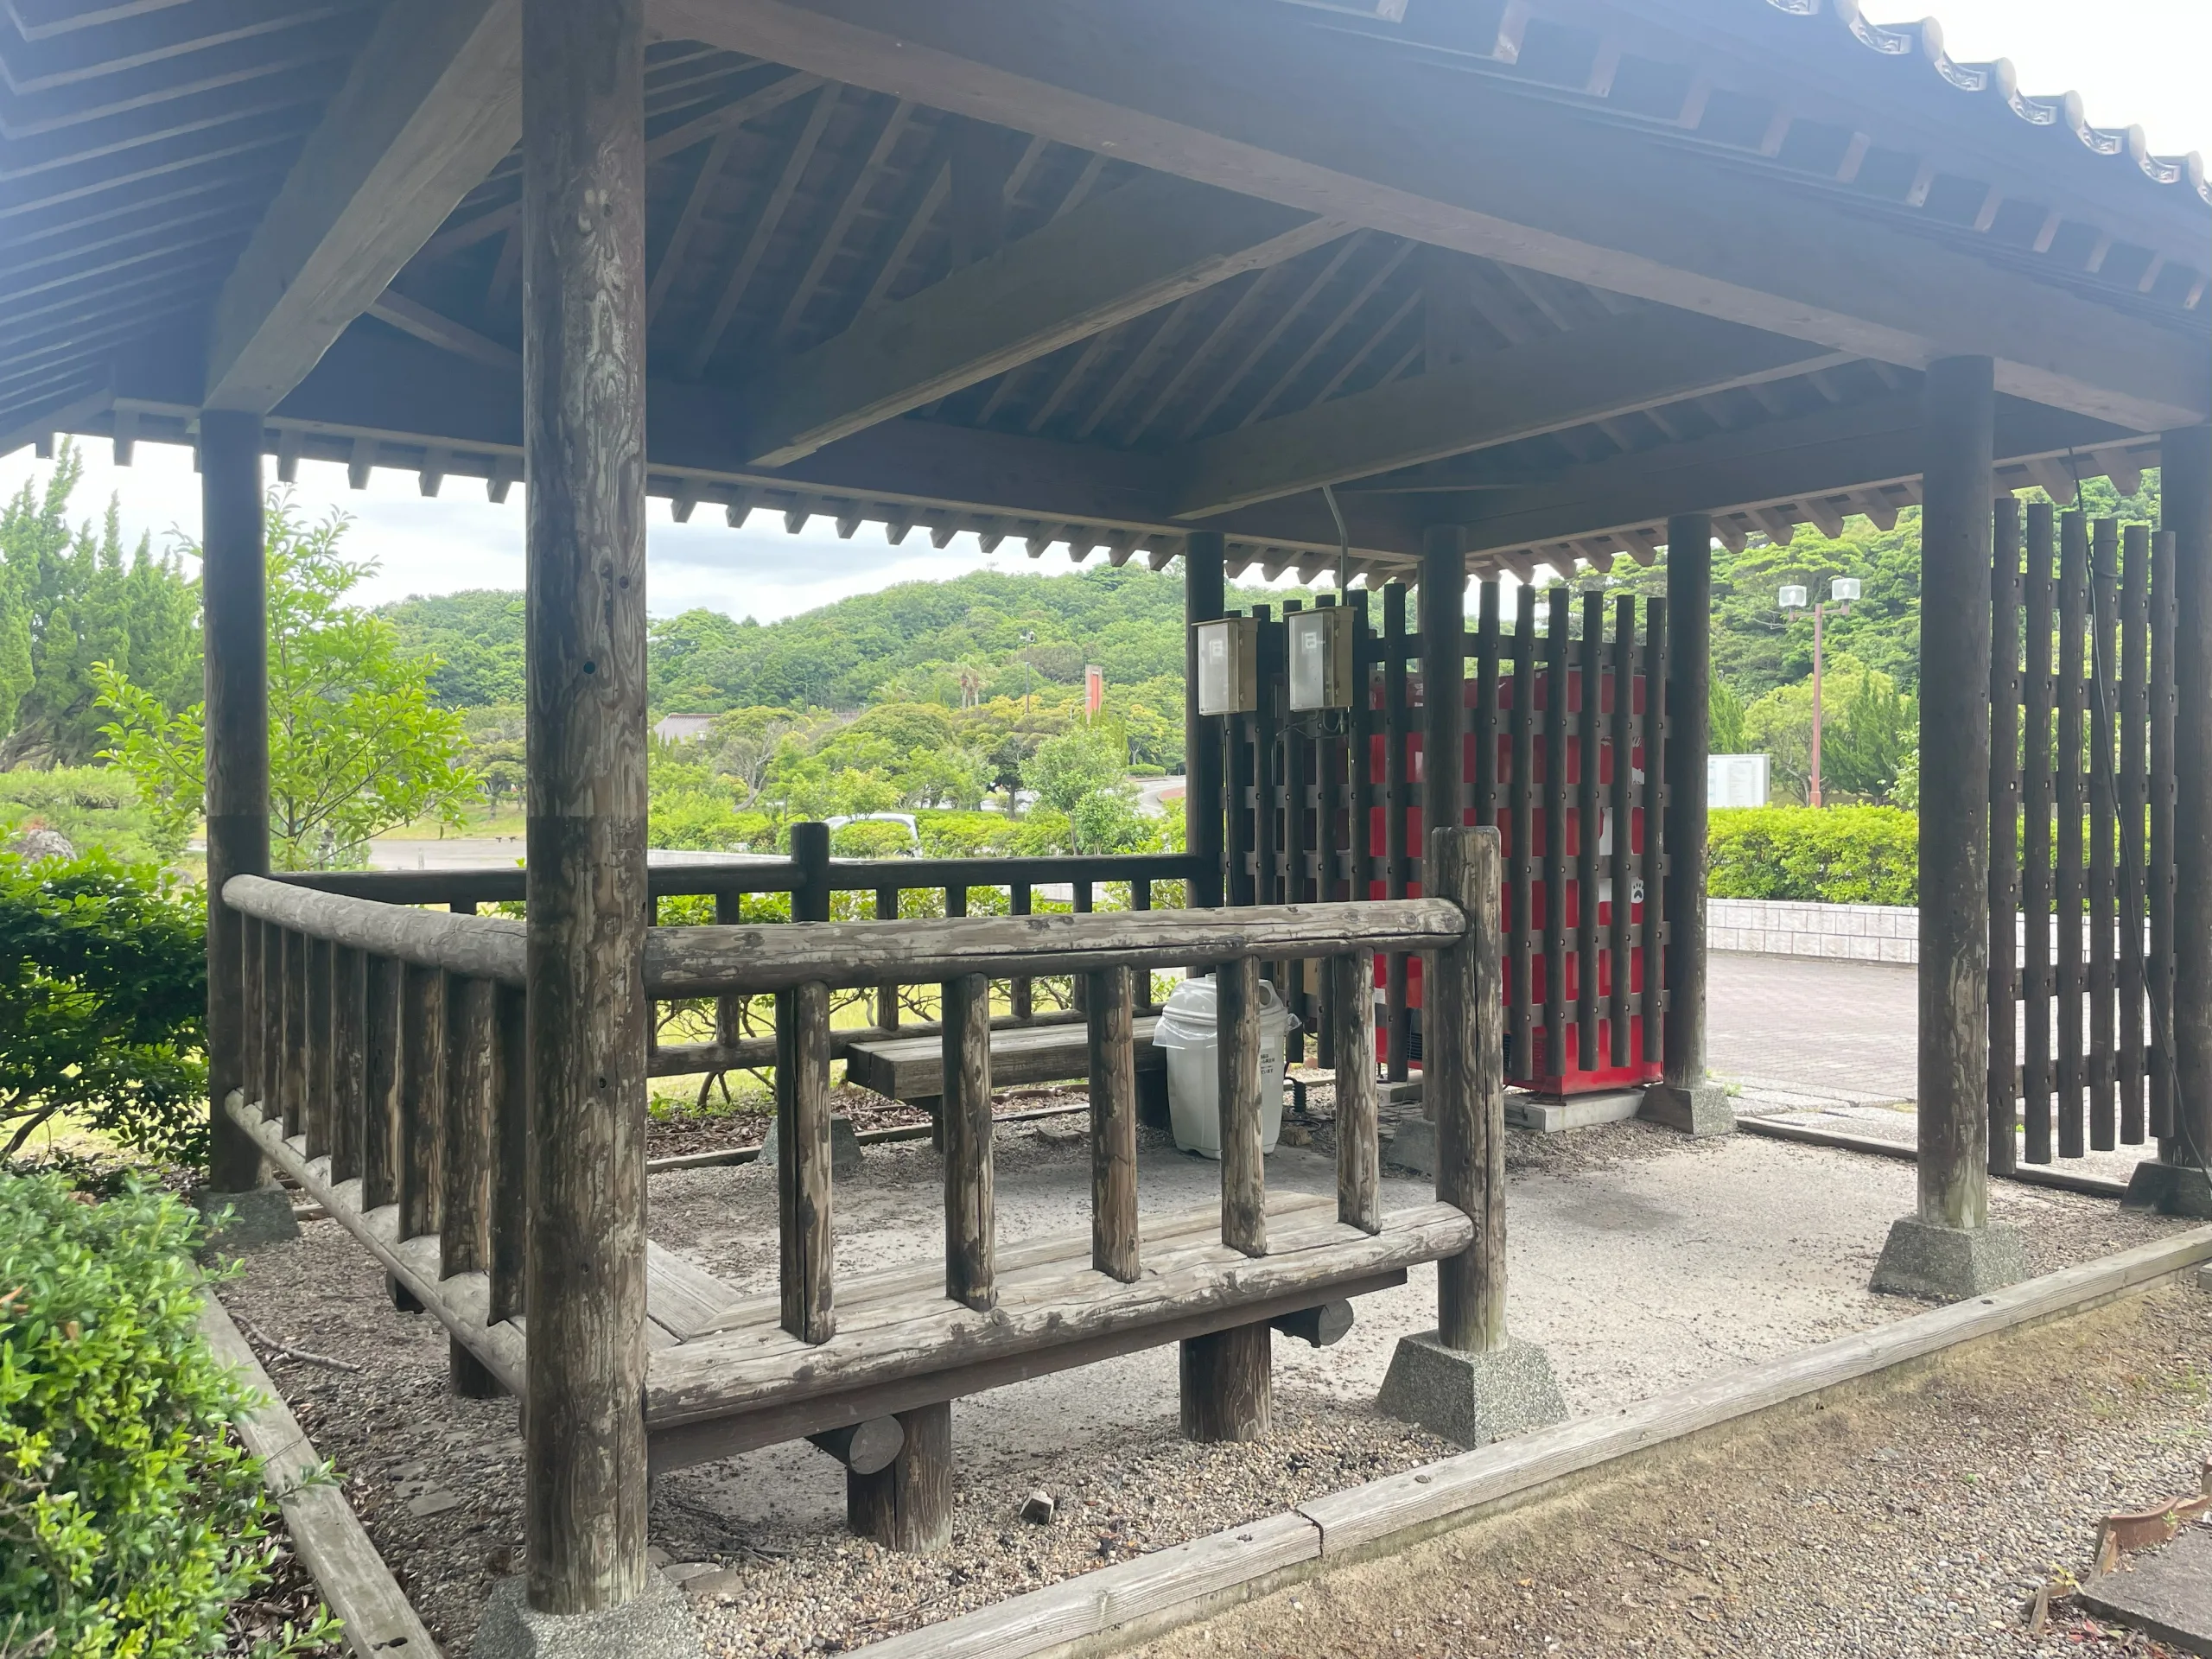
{"points": [[472, 1089], [349, 1063], [886, 995], [315, 1100], [510, 1242], [1111, 1017], [1946, 1249], [729, 1009], [1467, 1380], [380, 1086], [1226, 1378], [422, 1100], [294, 1055], [583, 340], [966, 1119], [2003, 844], [1352, 1010], [803, 1195]]}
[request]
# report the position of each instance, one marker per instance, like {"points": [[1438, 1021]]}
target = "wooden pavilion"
{"points": [[1506, 284]]}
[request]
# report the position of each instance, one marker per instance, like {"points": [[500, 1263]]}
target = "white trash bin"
{"points": [[1188, 1032]]}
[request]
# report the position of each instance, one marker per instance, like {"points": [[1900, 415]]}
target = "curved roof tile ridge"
{"points": [[1924, 40]]}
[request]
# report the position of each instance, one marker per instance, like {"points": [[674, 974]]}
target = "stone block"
{"points": [[1948, 1264], [1700, 1111], [1576, 1112], [2170, 1190], [2165, 1593], [1471, 1398], [656, 1623], [1413, 1146], [844, 1147], [256, 1219]]}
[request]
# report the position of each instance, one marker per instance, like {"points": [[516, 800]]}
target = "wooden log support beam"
{"points": [[966, 1119], [472, 1105], [1352, 1011], [431, 103], [802, 1196], [1244, 1177], [234, 605], [1956, 526], [1127, 252], [584, 437], [1109, 1009], [1464, 1057], [865, 1448], [1205, 588], [906, 1505], [1606, 369], [1318, 1327], [1227, 1385]]}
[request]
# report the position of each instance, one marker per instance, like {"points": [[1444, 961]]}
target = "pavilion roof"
{"points": [[314, 208]]}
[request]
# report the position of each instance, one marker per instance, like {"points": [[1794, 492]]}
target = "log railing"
{"points": [[389, 1054]]}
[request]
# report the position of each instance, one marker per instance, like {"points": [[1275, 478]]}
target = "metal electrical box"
{"points": [[1229, 665], [1320, 658]]}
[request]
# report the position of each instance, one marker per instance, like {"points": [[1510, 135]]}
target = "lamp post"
{"points": [[1842, 591]]}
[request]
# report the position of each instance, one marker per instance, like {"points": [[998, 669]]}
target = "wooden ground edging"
{"points": [[331, 1544], [2094, 1186], [1100, 1612]]}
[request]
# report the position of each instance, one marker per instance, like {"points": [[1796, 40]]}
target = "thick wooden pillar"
{"points": [[584, 432], [1957, 529], [2177, 1184], [233, 600], [1443, 670], [1686, 1097], [1205, 594]]}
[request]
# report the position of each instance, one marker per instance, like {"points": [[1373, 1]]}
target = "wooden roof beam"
{"points": [[432, 102], [1117, 257], [1331, 122], [1550, 383]]}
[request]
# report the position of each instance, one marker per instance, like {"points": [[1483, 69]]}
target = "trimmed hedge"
{"points": [[130, 1517], [1837, 855]]}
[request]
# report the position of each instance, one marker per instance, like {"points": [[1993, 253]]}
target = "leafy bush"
{"points": [[1838, 855], [102, 1004], [130, 1519], [92, 807]]}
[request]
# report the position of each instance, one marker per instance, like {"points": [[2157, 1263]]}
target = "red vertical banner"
{"points": [[1094, 689]]}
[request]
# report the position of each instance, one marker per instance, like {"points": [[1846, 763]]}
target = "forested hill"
{"points": [[949, 642]]}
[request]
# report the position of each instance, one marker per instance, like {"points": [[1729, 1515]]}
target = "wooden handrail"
{"points": [[702, 960], [507, 883], [475, 947]]}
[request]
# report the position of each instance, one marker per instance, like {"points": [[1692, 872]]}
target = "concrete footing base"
{"points": [[657, 1624], [1699, 1110], [1471, 1398], [1413, 1146], [260, 1216], [844, 1147], [2171, 1190], [1575, 1112], [1948, 1264], [1398, 1094]]}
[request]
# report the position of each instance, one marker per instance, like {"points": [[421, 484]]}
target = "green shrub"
{"points": [[130, 1519], [97, 808], [102, 1004], [1837, 855]]}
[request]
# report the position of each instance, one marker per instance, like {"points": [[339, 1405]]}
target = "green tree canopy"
{"points": [[356, 743]]}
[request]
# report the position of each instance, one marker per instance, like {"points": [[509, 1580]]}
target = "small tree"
{"points": [[103, 999], [356, 743], [1083, 776]]}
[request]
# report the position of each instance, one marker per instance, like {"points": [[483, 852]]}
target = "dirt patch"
{"points": [[1915, 1516]]}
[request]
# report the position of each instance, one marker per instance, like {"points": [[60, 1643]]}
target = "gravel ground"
{"points": [[437, 1480], [1914, 1517]]}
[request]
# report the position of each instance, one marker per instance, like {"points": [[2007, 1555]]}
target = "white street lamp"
{"points": [[1842, 590]]}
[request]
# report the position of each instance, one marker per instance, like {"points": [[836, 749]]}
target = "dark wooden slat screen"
{"points": [[2035, 838], [2004, 849]]}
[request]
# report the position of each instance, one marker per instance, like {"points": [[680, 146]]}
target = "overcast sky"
{"points": [[2139, 62]]}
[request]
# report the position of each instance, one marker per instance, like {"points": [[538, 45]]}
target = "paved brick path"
{"points": [[1788, 1029]]}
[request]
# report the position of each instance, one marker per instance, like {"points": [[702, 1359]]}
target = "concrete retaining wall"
{"points": [[1775, 927]]}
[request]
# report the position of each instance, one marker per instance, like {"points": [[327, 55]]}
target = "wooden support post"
{"points": [[907, 1504], [1113, 1125], [508, 1262], [1682, 727], [2073, 596], [1521, 943], [1227, 1385], [1444, 719], [886, 995], [1352, 1010], [233, 589], [1243, 1178], [729, 1010], [1558, 654], [811, 852], [2186, 506], [1589, 682], [803, 1162], [380, 1084], [1466, 1079], [1396, 1014], [966, 1116], [1621, 923], [584, 446], [2164, 789], [1020, 992], [2102, 699], [422, 1100], [2134, 822], [1658, 716], [472, 1153], [1204, 596], [2038, 684], [1957, 525]]}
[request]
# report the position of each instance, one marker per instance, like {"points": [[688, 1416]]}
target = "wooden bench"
{"points": [[912, 1069]]}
